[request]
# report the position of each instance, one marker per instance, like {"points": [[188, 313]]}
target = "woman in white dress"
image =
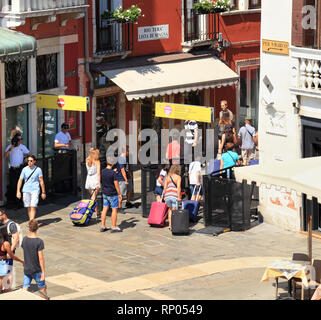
{"points": [[93, 173]]}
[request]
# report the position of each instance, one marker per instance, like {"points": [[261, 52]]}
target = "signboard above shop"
{"points": [[153, 32], [68, 103], [184, 112]]}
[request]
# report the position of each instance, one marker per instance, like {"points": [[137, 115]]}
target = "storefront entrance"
{"points": [[311, 148]]}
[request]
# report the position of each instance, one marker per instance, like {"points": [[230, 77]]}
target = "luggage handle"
{"points": [[96, 191], [199, 190]]}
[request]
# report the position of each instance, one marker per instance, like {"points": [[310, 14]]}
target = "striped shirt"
{"points": [[171, 190], [190, 127]]}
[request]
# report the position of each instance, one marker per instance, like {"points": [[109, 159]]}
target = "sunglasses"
{"points": [[30, 160]]}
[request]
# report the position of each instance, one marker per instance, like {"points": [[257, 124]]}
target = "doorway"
{"points": [[311, 148]]}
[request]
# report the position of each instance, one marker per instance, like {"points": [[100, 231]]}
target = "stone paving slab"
{"points": [[143, 262]]}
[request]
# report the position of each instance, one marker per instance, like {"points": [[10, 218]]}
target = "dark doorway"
{"points": [[311, 148]]}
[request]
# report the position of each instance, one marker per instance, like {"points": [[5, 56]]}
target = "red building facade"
{"points": [[233, 37]]}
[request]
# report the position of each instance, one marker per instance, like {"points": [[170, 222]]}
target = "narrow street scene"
{"points": [[160, 151]]}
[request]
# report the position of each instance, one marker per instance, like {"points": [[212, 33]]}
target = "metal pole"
{"points": [[83, 135]]}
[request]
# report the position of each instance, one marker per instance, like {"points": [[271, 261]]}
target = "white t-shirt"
{"points": [[163, 173], [62, 138], [16, 155], [194, 167]]}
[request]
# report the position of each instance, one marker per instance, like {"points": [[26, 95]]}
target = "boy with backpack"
{"points": [[34, 262]]}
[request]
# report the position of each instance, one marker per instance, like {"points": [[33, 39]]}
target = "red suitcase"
{"points": [[157, 214]]}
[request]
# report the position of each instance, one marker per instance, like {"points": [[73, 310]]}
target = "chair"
{"points": [[317, 268], [295, 257], [295, 281]]}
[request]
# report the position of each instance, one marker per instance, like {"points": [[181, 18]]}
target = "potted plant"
{"points": [[123, 16], [221, 6], [203, 7]]}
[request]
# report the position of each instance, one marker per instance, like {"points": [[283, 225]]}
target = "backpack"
{"points": [[19, 232]]}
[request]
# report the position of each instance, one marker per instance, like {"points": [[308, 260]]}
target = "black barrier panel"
{"points": [[227, 203], [64, 171], [149, 175]]}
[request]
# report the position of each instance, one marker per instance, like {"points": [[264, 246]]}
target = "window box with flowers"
{"points": [[214, 6], [119, 15]]}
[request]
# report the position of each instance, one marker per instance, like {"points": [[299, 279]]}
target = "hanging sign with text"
{"points": [[153, 32]]}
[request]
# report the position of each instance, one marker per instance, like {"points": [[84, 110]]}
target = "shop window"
{"points": [[47, 129], [106, 119], [47, 72], [16, 75], [17, 121], [249, 94], [72, 118], [254, 4]]}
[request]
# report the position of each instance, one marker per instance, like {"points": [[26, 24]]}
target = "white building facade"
{"points": [[290, 102]]}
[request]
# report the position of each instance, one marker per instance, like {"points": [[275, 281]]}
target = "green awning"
{"points": [[16, 45]]}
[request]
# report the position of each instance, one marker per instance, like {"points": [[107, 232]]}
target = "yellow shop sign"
{"points": [[70, 103], [184, 112]]}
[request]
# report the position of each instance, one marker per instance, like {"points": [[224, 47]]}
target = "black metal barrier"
{"points": [[227, 203], [64, 171], [149, 175], [60, 172]]}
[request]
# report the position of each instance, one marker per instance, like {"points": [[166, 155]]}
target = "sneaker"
{"points": [[117, 229], [103, 229], [129, 205]]}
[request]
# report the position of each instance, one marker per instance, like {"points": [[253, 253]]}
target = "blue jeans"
{"points": [[110, 201], [36, 276], [171, 202]]}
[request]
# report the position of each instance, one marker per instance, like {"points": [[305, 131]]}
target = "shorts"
{"points": [[36, 276], [5, 268], [158, 191], [247, 155], [171, 202], [110, 201], [123, 187], [192, 186], [31, 199]]}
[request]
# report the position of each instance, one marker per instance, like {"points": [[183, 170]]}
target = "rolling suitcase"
{"points": [[157, 214], [192, 206], [180, 221], [81, 215]]}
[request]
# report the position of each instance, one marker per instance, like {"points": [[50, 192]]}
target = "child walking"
{"points": [[34, 266]]}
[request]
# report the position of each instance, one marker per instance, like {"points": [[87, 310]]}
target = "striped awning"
{"points": [[16, 45], [172, 77]]}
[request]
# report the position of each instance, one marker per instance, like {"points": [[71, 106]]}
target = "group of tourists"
{"points": [[115, 182]]}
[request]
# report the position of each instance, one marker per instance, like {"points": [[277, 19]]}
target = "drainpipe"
{"points": [[88, 74]]}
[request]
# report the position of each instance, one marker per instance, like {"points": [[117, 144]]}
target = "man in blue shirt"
{"points": [[247, 140], [32, 177]]}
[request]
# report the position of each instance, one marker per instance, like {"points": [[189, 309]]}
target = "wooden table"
{"points": [[289, 269]]}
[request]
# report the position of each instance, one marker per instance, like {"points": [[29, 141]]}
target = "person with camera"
{"points": [[16, 152]]}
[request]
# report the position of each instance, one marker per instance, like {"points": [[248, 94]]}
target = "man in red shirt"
{"points": [[173, 152]]}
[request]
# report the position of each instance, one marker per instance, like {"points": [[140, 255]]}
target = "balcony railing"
{"points": [[201, 27], [24, 6], [114, 38], [306, 71]]}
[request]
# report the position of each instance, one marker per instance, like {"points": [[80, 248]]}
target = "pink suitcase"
{"points": [[157, 214]]}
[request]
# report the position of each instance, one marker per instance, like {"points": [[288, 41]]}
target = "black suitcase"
{"points": [[180, 221]]}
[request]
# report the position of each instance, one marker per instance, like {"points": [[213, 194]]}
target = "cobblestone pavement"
{"points": [[148, 263]]}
